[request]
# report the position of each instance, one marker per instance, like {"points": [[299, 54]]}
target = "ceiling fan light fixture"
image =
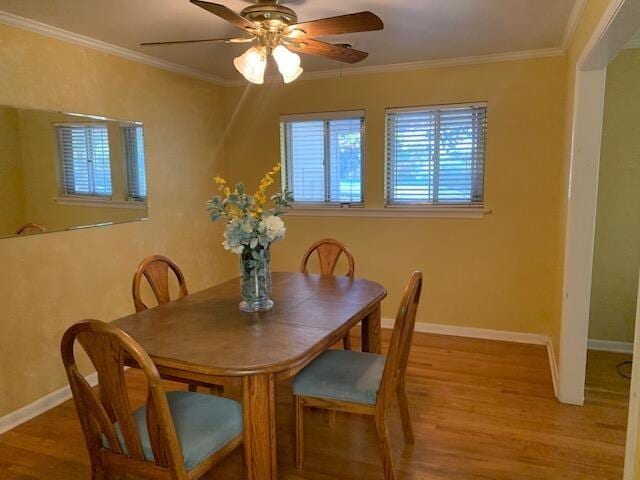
{"points": [[252, 64], [278, 32], [288, 63]]}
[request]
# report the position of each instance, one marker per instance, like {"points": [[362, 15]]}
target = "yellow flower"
{"points": [[260, 196], [222, 186]]}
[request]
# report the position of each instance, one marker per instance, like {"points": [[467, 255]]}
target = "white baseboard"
{"points": [[488, 334], [483, 333], [553, 365], [610, 346], [40, 406]]}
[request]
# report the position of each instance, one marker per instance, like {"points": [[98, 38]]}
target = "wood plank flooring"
{"points": [[481, 410]]}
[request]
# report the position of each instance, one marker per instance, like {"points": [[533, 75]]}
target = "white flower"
{"points": [[275, 228], [238, 249]]}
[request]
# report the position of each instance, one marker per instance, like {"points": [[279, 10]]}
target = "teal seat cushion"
{"points": [[342, 375], [204, 424]]}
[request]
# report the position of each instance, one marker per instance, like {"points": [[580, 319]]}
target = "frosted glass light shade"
{"points": [[288, 63], [251, 64]]}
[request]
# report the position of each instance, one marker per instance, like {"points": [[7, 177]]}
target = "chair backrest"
{"points": [[329, 251], [30, 228], [156, 270], [398, 354], [107, 347]]}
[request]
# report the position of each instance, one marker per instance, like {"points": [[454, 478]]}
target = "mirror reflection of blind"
{"points": [[134, 153], [85, 161], [323, 160], [436, 156]]}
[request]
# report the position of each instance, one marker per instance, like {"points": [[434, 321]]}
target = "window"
{"points": [[435, 156], [322, 157], [84, 159], [134, 155]]}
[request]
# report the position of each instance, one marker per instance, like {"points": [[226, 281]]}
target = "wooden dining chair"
{"points": [[156, 271], [363, 383], [329, 251], [175, 436], [30, 229]]}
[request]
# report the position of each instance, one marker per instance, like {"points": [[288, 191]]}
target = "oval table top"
{"points": [[206, 332]]}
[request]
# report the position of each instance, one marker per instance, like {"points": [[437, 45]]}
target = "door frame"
{"points": [[631, 465], [617, 26]]}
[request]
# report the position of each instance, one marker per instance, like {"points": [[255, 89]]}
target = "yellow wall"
{"points": [[496, 272], [502, 271], [12, 201], [617, 243], [50, 281]]}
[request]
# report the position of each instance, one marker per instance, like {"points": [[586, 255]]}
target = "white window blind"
{"points": [[134, 155], [435, 156], [85, 165], [322, 159]]}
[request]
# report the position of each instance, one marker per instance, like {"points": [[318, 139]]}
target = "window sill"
{"points": [[389, 212], [87, 201]]}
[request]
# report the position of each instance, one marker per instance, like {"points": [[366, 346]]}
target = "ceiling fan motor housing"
{"points": [[270, 14]]}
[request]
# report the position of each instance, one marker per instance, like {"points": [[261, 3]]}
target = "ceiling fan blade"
{"points": [[335, 52], [354, 22], [226, 14], [178, 42]]}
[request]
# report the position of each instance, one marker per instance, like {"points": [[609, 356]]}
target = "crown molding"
{"points": [[421, 65], [82, 40], [572, 24], [75, 38]]}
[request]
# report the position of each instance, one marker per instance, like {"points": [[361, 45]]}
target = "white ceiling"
{"points": [[415, 30]]}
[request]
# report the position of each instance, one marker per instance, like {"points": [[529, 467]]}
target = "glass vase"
{"points": [[255, 280]]}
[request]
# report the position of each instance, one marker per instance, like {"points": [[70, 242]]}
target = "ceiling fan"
{"points": [[276, 31]]}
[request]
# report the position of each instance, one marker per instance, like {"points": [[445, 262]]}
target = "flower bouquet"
{"points": [[251, 228]]}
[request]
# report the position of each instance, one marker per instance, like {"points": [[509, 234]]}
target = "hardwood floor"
{"points": [[480, 409]]}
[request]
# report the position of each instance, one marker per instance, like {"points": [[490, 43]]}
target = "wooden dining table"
{"points": [[204, 336]]}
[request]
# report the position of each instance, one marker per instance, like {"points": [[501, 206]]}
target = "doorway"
{"points": [[618, 26]]}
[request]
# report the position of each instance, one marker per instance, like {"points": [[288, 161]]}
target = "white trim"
{"points": [[420, 65], [610, 346], [334, 115], [40, 406], [488, 334], [572, 24], [471, 332], [553, 365], [580, 233], [389, 212], [440, 63], [432, 108], [75, 38], [631, 448], [79, 201]]}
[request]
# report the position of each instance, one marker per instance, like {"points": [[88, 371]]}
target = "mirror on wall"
{"points": [[63, 171]]}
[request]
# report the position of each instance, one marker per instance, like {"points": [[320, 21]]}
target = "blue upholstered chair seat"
{"points": [[342, 375], [204, 424]]}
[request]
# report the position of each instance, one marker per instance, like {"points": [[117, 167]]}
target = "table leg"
{"points": [[371, 331], [259, 403]]}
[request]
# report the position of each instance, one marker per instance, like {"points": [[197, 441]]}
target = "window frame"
{"points": [[71, 193], [287, 178], [433, 206], [127, 167]]}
